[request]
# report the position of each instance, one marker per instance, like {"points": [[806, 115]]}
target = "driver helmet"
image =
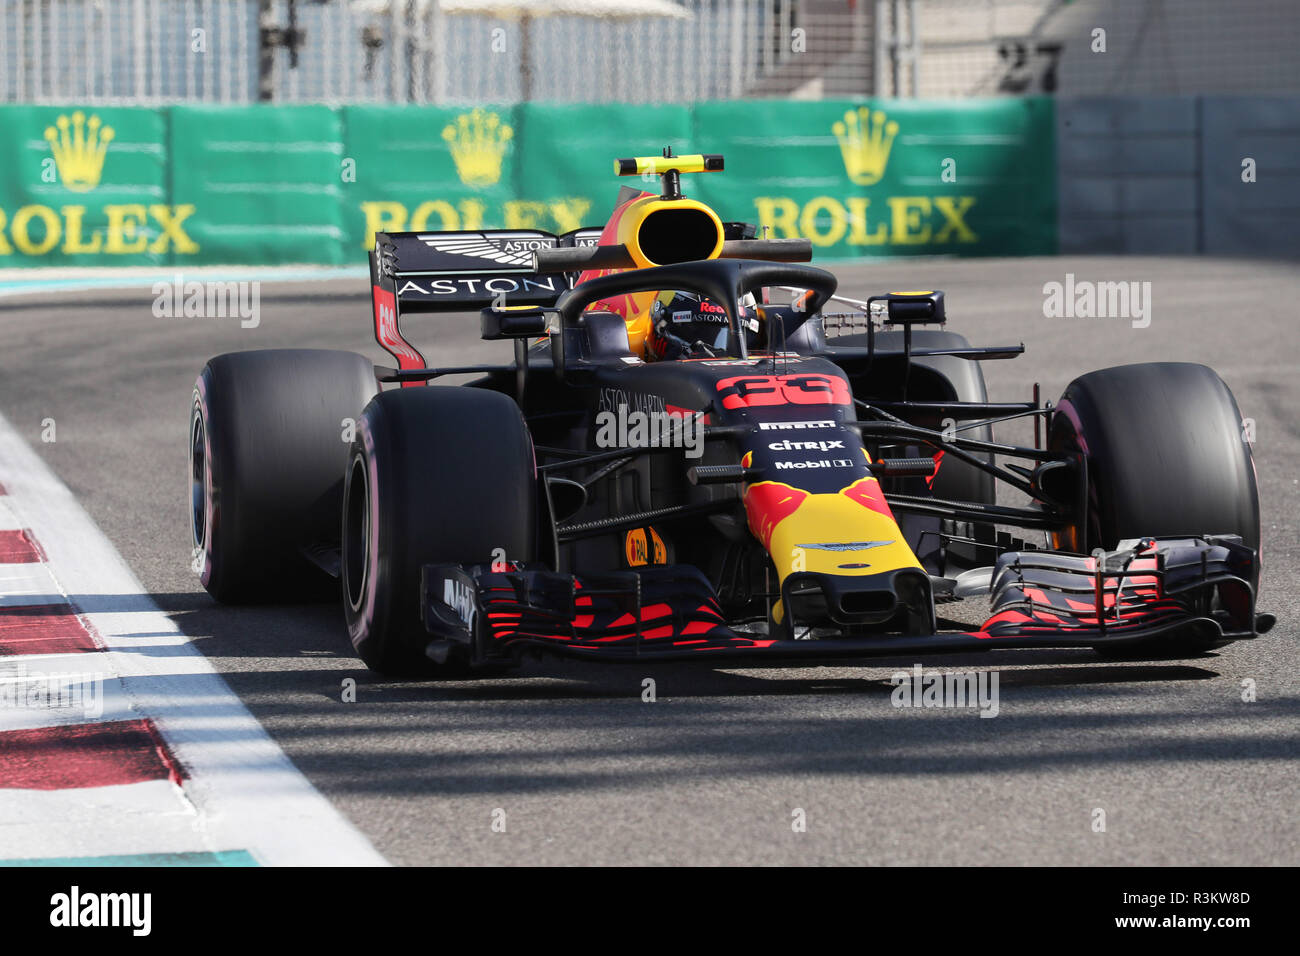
{"points": [[688, 325]]}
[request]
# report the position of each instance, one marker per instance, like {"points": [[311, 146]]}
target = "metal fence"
{"points": [[962, 48], [423, 51], [415, 51]]}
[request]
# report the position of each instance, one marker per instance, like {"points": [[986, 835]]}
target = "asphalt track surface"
{"points": [[712, 771]]}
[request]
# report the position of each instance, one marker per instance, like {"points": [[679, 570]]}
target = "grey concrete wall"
{"points": [[1260, 217], [1127, 172], [1162, 175]]}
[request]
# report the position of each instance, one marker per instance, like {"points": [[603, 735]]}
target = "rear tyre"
{"points": [[435, 476], [1165, 456], [267, 459]]}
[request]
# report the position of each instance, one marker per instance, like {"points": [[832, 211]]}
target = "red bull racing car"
{"points": [[677, 467]]}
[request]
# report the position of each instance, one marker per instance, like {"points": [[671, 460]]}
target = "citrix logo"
{"points": [[788, 445]]}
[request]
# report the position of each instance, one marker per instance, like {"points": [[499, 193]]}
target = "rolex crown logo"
{"points": [[78, 147], [865, 140], [478, 141]]}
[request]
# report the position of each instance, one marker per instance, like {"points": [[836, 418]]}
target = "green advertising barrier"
{"points": [[406, 175], [569, 162], [63, 204], [311, 184], [888, 178], [426, 168], [265, 183]]}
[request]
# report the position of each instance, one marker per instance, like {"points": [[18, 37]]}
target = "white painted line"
{"points": [[247, 793], [9, 521], [16, 282], [147, 274], [149, 817], [51, 689], [28, 584]]}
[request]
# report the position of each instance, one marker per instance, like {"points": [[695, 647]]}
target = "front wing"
{"points": [[1184, 593]]}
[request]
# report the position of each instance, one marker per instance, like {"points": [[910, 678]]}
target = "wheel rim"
{"points": [[1084, 534], [356, 535], [198, 482]]}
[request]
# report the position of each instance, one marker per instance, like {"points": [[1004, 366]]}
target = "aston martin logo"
{"points": [[503, 250], [845, 545]]}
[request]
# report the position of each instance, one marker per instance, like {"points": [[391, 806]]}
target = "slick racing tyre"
{"points": [[1165, 456], [267, 460], [436, 475]]}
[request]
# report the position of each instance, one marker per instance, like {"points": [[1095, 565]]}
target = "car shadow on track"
{"points": [[312, 637], [559, 727], [558, 680]]}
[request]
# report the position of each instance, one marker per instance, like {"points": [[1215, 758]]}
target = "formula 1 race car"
{"points": [[762, 489]]}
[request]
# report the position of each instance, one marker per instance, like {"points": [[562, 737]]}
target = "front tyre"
{"points": [[436, 475], [1165, 457]]}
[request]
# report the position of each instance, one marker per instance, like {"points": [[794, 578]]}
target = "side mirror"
{"points": [[908, 308], [514, 322]]}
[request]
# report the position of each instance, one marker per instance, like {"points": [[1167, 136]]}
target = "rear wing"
{"points": [[459, 272], [465, 271], [469, 270]]}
